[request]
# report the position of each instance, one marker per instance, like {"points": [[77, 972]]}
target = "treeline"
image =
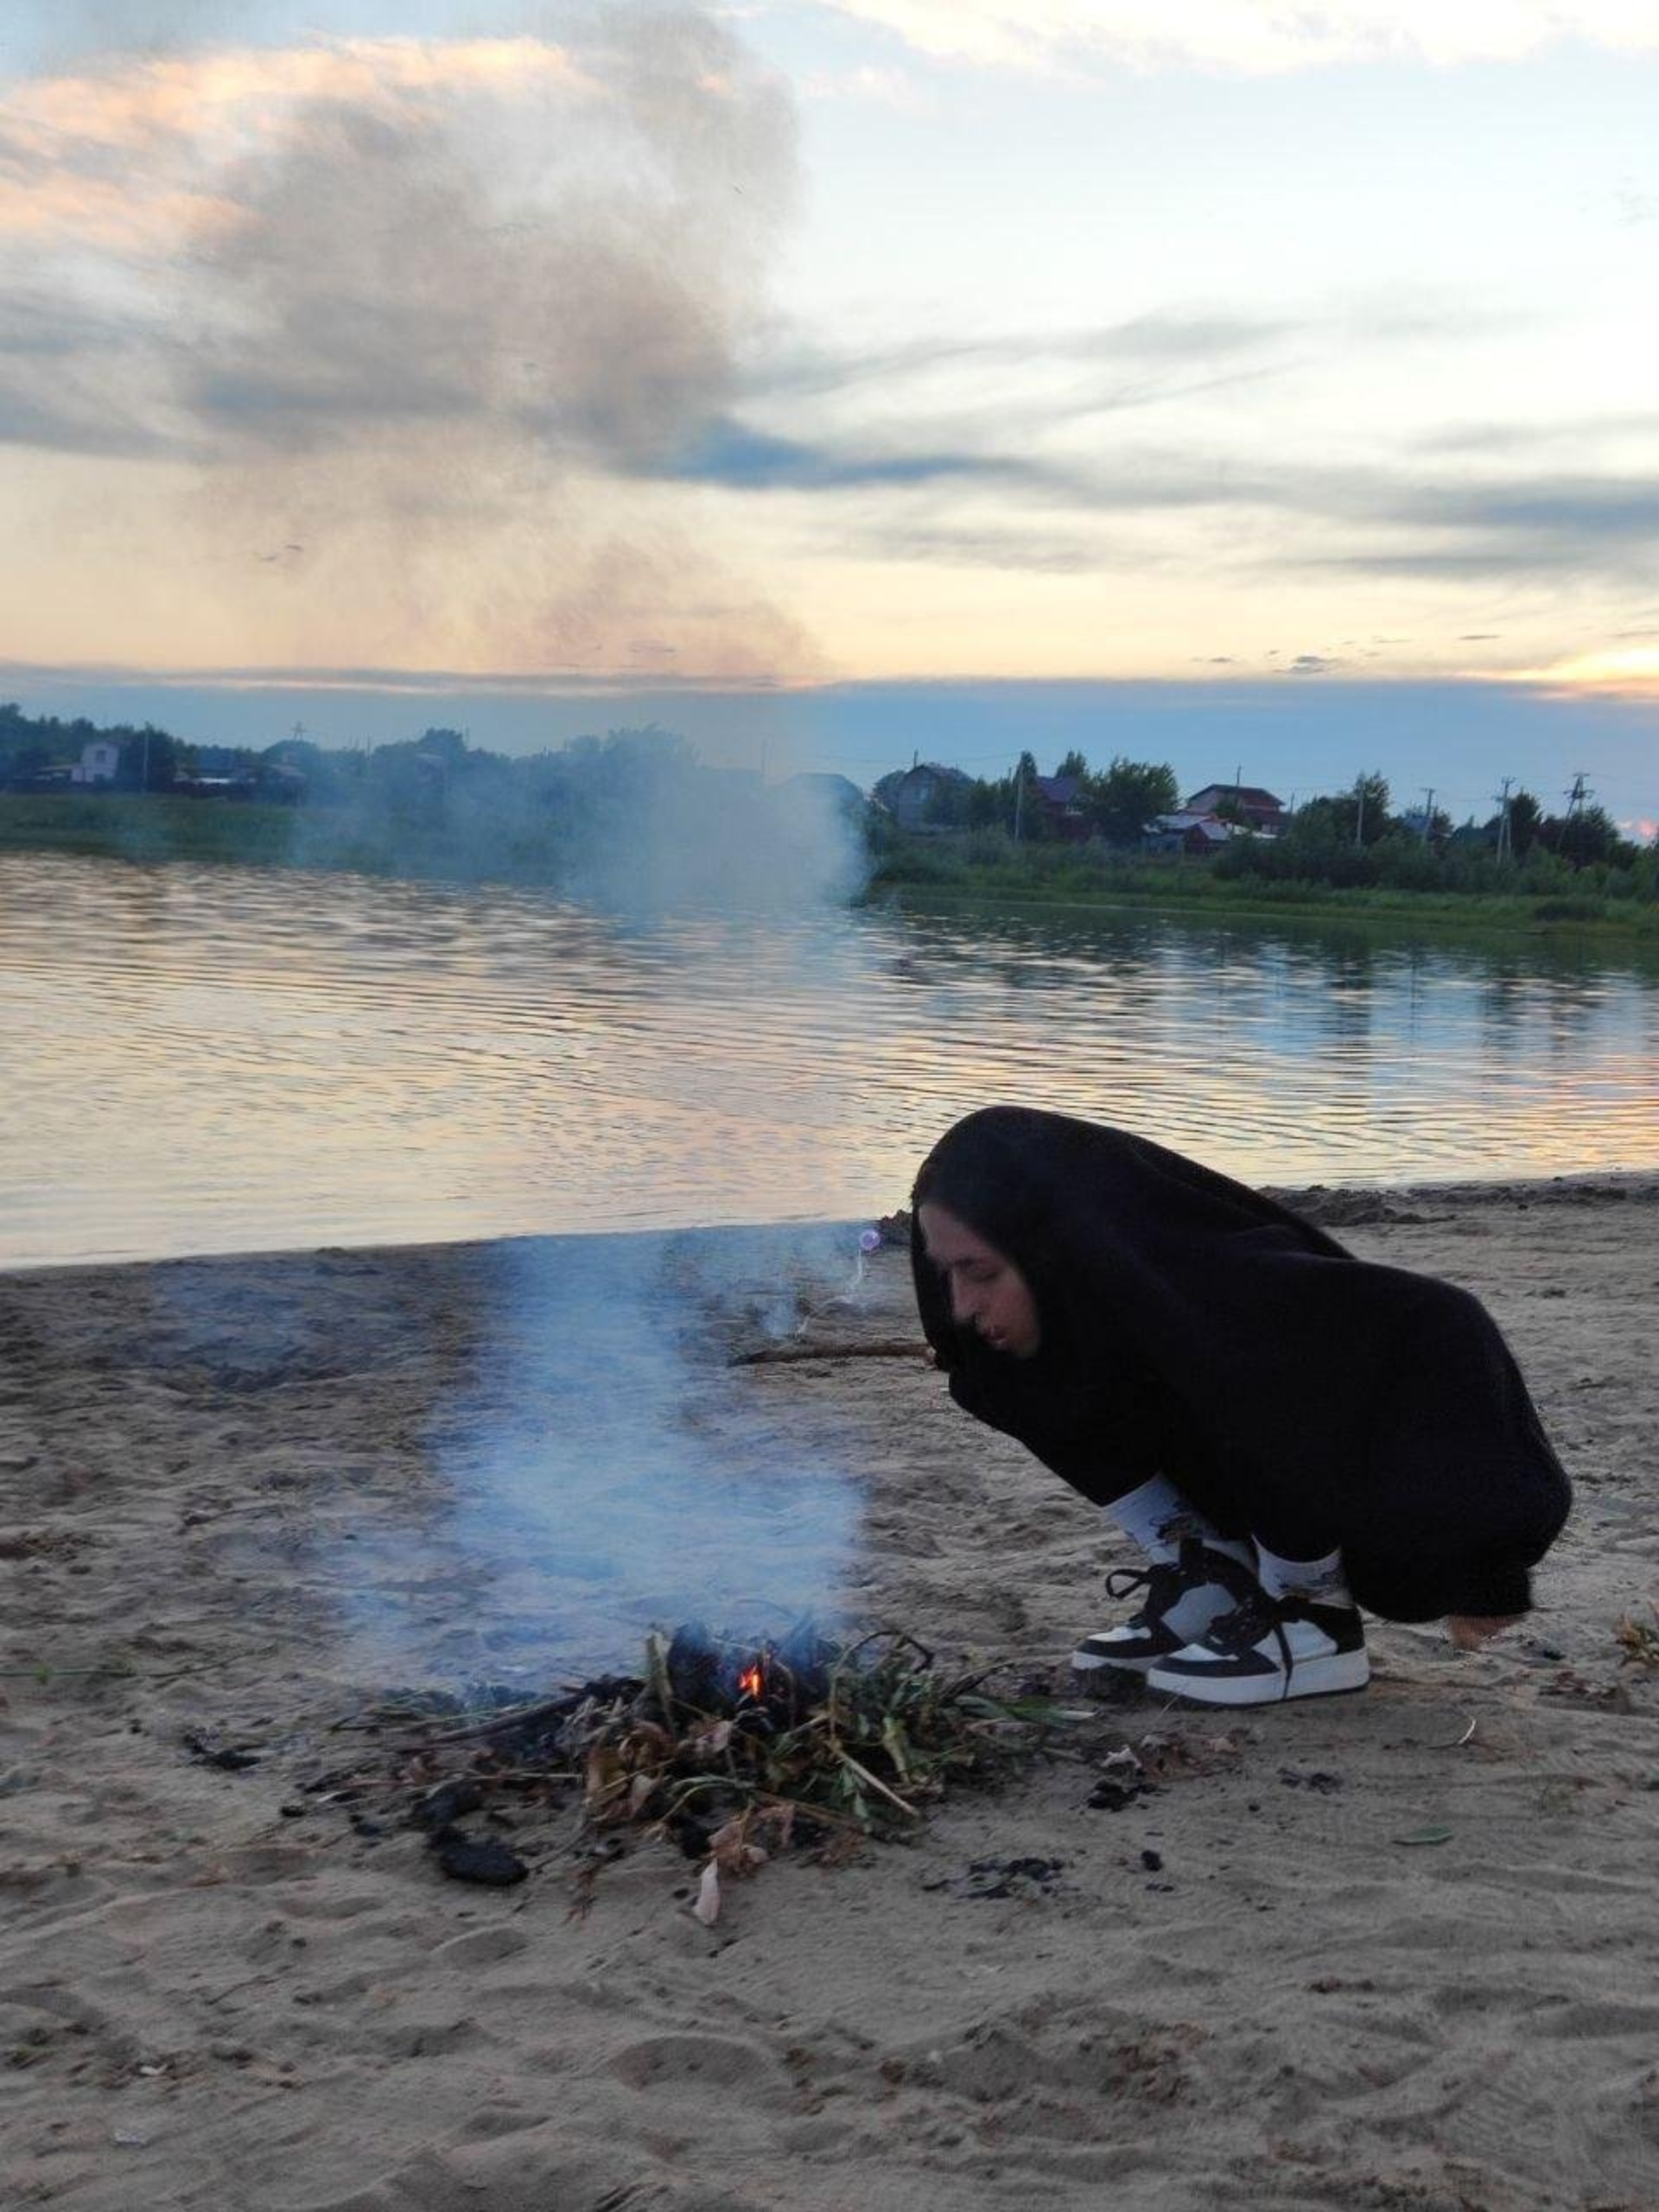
{"points": [[1352, 840], [1355, 838], [1114, 803], [32, 746], [629, 817]]}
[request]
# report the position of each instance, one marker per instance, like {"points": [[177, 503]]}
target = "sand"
{"points": [[1261, 1984]]}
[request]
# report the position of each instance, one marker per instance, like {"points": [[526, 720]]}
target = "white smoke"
{"points": [[607, 1472], [419, 326]]}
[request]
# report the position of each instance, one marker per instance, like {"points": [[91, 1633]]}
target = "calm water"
{"points": [[204, 1059]]}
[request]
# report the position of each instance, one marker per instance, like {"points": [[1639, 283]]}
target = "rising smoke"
{"points": [[609, 1468], [421, 327], [418, 324]]}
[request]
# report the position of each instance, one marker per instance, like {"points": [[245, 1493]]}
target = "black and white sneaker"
{"points": [[1268, 1649], [1183, 1596]]}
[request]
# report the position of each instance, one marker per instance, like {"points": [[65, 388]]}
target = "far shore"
{"points": [[1394, 1949], [151, 831]]}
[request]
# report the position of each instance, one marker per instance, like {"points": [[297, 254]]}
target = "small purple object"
{"points": [[869, 1240]]}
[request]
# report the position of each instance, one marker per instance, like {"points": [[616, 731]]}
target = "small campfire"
{"points": [[731, 1748]]}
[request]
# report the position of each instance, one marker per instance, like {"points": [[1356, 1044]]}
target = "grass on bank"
{"points": [[248, 834], [529, 850], [1547, 897]]}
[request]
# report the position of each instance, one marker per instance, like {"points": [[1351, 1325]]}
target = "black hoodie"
{"points": [[1192, 1328]]}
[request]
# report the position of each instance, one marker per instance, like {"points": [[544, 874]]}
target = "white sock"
{"points": [[1160, 1520], [1322, 1579]]}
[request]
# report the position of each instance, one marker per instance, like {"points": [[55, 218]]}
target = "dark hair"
{"points": [[994, 1171], [1001, 1171]]}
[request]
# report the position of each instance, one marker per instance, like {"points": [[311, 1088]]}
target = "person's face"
{"points": [[987, 1292]]}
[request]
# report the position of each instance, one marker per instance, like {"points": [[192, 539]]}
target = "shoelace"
{"points": [[1163, 1583], [1239, 1632]]}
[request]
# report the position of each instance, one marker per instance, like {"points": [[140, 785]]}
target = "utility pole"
{"points": [[1505, 840], [1019, 795], [1359, 819], [1429, 811], [1577, 800]]}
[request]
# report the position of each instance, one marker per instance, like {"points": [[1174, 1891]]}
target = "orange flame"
{"points": [[752, 1680]]}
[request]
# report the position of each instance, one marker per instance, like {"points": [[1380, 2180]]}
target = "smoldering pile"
{"points": [[729, 1748]]}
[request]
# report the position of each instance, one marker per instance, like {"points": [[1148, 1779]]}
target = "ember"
{"points": [[725, 1746]]}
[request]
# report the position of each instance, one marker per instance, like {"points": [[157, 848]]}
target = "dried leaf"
{"points": [[707, 1907], [725, 1845], [603, 1770], [780, 1819]]}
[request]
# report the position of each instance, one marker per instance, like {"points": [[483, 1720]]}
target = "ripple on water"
{"points": [[205, 1059]]}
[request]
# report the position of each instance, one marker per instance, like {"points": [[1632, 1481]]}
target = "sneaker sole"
{"points": [[1340, 1673], [1091, 1662]]}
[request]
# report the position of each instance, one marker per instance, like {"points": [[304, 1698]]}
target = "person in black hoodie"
{"points": [[1289, 1432]]}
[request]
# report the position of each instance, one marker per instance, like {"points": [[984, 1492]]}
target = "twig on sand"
{"points": [[871, 1348]]}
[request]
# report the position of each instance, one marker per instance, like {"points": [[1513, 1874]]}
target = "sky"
{"points": [[1261, 388]]}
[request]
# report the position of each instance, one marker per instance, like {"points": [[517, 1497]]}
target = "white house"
{"points": [[1198, 834], [1259, 810], [99, 763]]}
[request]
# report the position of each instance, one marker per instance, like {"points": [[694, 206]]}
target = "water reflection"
{"points": [[205, 1059]]}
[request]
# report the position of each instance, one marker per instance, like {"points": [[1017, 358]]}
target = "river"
{"points": [[203, 1059]]}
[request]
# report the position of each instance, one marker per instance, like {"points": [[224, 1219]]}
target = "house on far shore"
{"points": [[1057, 802], [1258, 810], [99, 763], [836, 794], [1196, 835], [915, 796]]}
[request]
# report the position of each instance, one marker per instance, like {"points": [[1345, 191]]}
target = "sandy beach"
{"points": [[1394, 1952]]}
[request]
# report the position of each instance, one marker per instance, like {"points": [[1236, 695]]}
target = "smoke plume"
{"points": [[413, 327]]}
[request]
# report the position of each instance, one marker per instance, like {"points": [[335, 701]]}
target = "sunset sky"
{"points": [[1250, 385]]}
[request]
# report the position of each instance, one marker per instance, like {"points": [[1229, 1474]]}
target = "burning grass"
{"points": [[1638, 1641], [729, 1748]]}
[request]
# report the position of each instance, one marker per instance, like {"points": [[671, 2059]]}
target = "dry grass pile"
{"points": [[729, 1748]]}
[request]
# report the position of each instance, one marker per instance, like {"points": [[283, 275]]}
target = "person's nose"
{"points": [[965, 1305]]}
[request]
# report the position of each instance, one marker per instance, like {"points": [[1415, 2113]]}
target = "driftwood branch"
{"points": [[871, 1347]]}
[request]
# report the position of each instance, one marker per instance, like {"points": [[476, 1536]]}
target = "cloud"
{"points": [[1245, 37], [1025, 549], [58, 361], [1569, 435], [1572, 508], [395, 682], [1540, 526], [867, 86], [729, 452], [410, 300], [886, 483], [1169, 341]]}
